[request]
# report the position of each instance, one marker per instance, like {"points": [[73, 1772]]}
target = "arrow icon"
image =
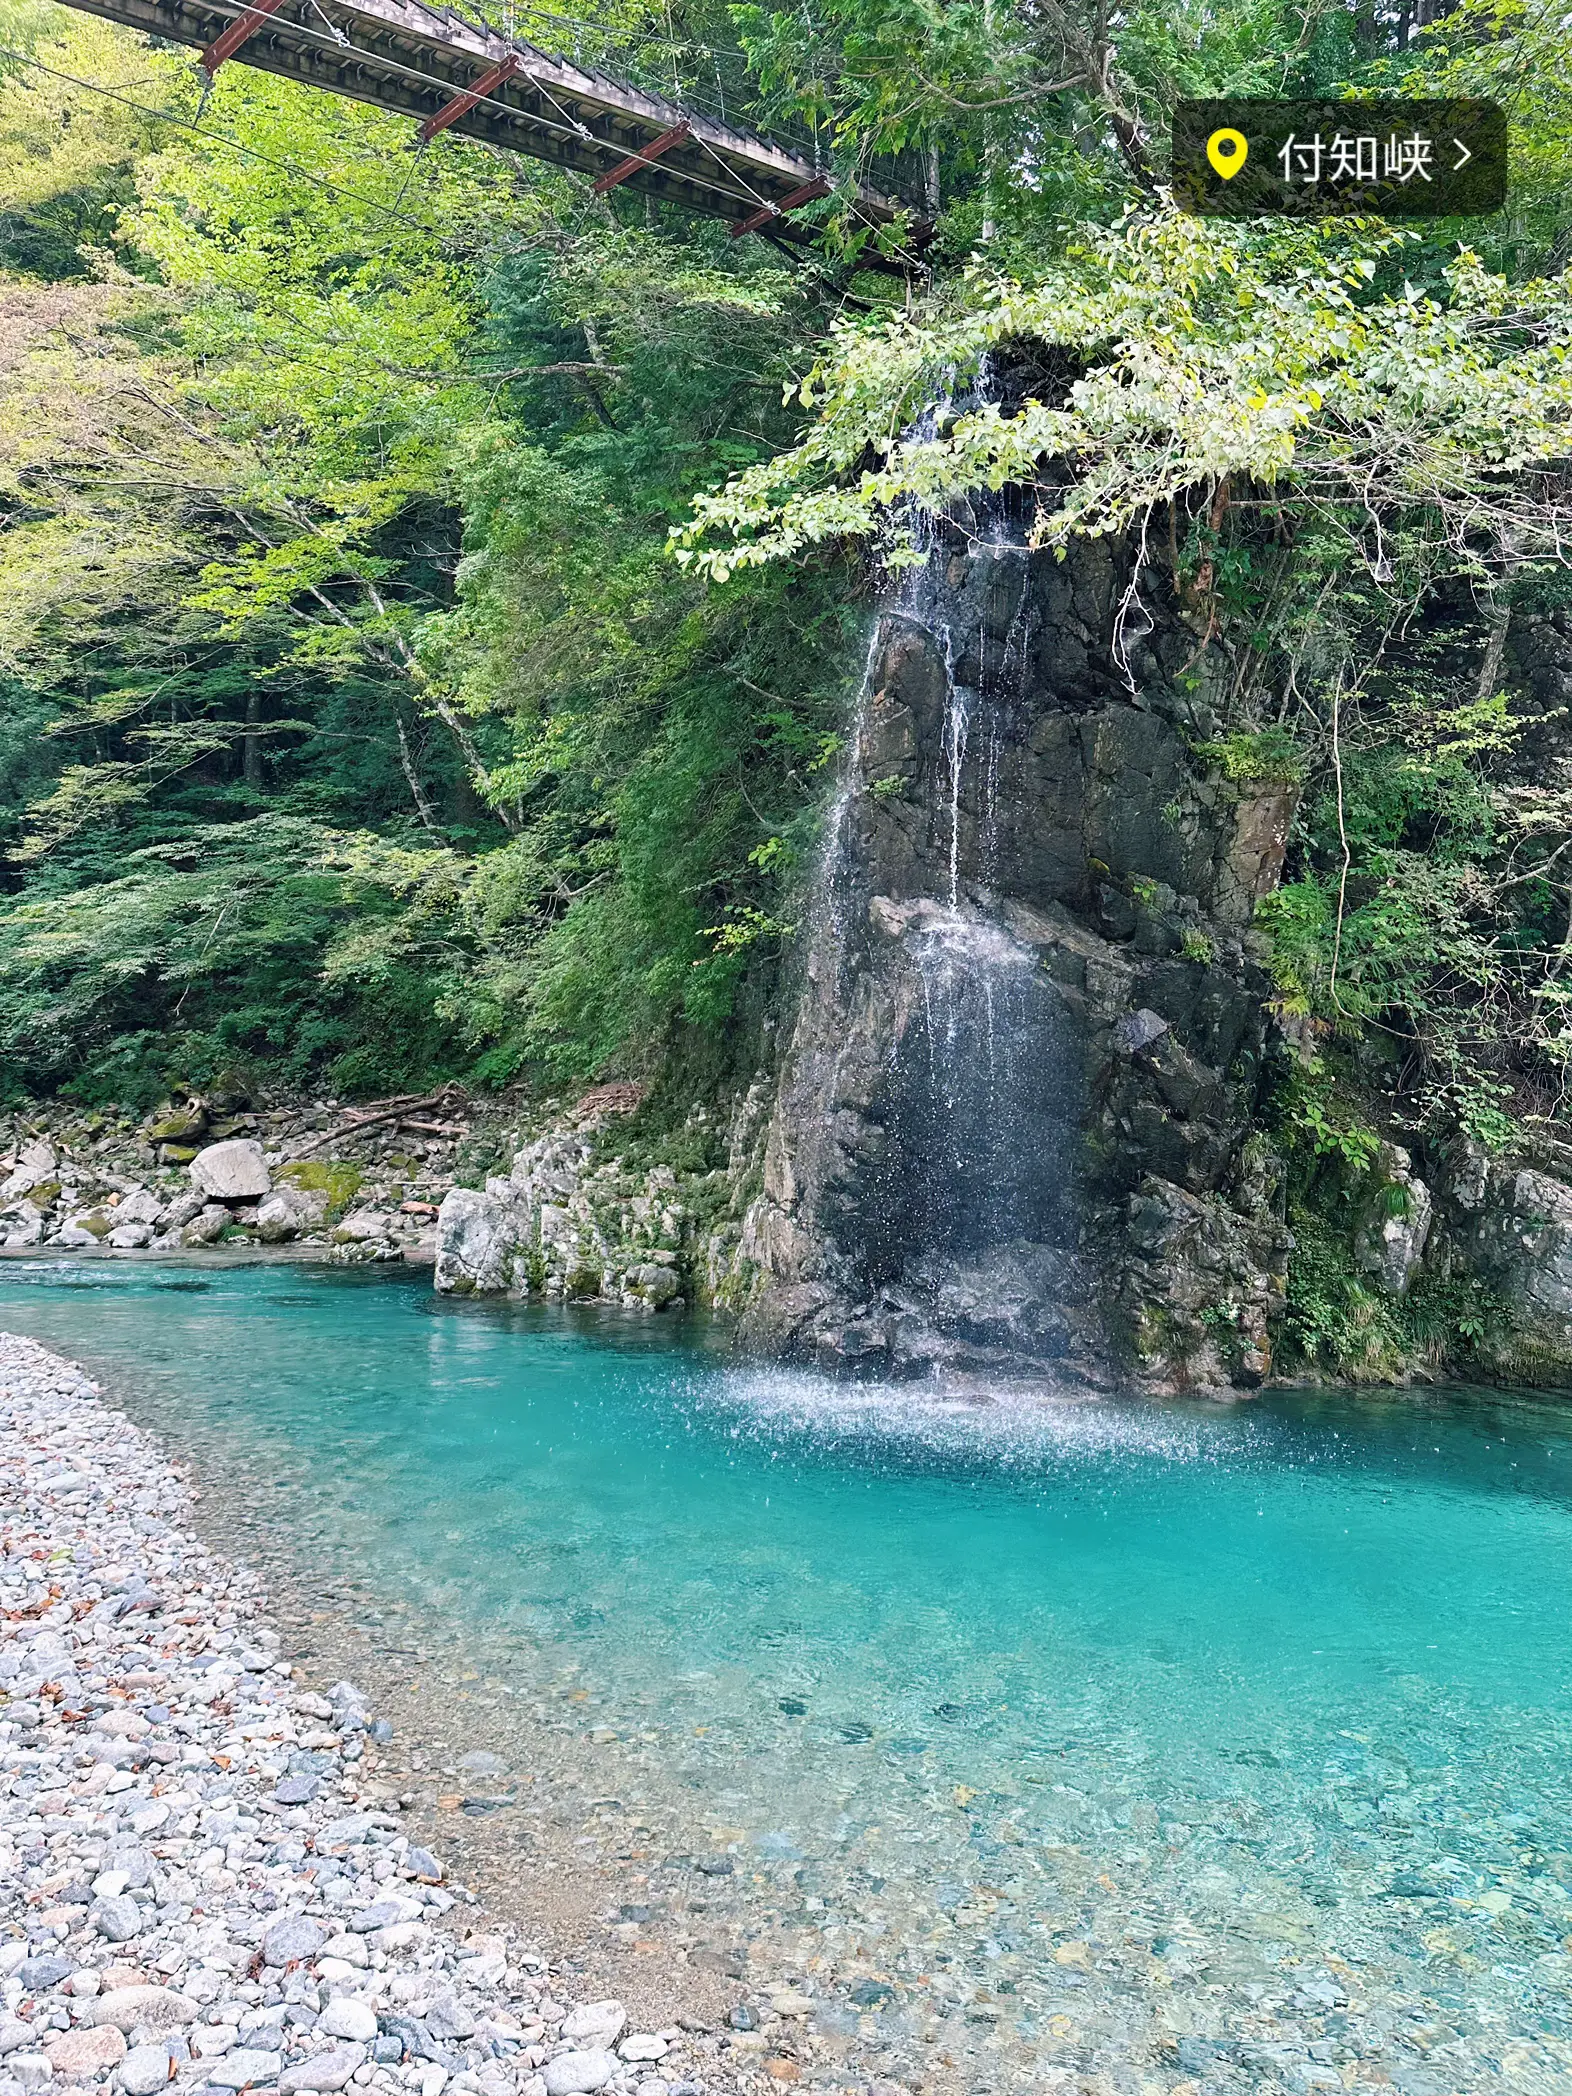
{"points": [[1463, 154]]}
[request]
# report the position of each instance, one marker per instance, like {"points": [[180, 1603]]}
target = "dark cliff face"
{"points": [[1012, 1121]]}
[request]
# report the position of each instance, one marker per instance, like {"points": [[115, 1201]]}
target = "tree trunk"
{"points": [[251, 762]]}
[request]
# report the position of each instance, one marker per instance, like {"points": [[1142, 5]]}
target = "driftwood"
{"points": [[382, 1112]]}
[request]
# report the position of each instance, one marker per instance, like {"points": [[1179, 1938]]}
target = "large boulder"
{"points": [[231, 1171], [289, 1211], [483, 1241], [139, 1206], [207, 1226]]}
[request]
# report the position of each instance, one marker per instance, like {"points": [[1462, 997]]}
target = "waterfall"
{"points": [[920, 1210]]}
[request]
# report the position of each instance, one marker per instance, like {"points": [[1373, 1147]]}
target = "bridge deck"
{"points": [[400, 55]]}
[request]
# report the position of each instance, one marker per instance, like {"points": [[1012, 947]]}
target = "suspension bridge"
{"points": [[449, 72]]}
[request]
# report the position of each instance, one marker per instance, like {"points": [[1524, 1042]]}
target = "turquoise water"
{"points": [[1248, 1702]]}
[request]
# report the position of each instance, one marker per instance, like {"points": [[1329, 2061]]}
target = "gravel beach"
{"points": [[193, 1893]]}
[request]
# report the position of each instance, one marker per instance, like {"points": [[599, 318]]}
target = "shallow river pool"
{"points": [[1105, 1745]]}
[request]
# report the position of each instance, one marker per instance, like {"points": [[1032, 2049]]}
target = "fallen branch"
{"points": [[398, 1111]]}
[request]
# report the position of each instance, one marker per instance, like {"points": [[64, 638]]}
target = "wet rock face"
{"points": [[1011, 1121]]}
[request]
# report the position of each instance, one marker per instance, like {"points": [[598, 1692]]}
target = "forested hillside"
{"points": [[430, 594]]}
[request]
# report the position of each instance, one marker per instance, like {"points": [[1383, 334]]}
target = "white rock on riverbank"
{"points": [[191, 1898]]}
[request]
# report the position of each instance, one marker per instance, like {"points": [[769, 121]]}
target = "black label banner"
{"points": [[1381, 159]]}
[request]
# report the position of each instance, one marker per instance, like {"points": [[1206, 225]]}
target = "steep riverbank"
{"points": [[203, 1884]]}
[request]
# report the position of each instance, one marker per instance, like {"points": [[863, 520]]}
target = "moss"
{"points": [[339, 1181]]}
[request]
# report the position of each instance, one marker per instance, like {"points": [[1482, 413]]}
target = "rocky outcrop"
{"points": [[572, 1222], [1394, 1222], [1508, 1226], [1011, 1121]]}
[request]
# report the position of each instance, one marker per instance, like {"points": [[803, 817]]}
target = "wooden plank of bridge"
{"points": [[401, 55]]}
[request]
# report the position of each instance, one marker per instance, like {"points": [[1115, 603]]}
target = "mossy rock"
{"points": [[336, 1181], [177, 1126], [176, 1153], [45, 1193], [99, 1223]]}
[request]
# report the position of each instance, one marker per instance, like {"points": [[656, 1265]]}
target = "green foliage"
{"points": [[1334, 1320], [356, 723], [1259, 756], [1316, 1125]]}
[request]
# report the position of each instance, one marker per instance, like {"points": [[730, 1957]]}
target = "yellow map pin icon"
{"points": [[1228, 151]]}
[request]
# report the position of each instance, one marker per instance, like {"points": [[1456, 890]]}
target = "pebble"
{"points": [[119, 1917], [240, 1971], [348, 2017], [145, 2069], [245, 2068], [291, 1940], [151, 2008], [574, 2073], [76, 2053], [599, 2024]]}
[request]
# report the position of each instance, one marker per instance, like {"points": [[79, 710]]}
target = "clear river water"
{"points": [[1041, 1741]]}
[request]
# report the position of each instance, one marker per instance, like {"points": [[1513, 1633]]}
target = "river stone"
{"points": [[349, 2017], [287, 1211], [130, 1237], [447, 2018], [207, 1226], [14, 2034], [31, 2069], [89, 2051], [46, 1971], [118, 1919], [149, 2008], [181, 1124], [297, 1788], [324, 2070], [139, 1206], [598, 2023], [425, 1866], [145, 2069], [386, 1914], [289, 1941], [344, 1833], [244, 2068], [644, 2046], [574, 2073], [231, 1171]]}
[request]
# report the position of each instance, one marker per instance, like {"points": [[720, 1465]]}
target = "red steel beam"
{"points": [[240, 31], [462, 104], [818, 187], [643, 157]]}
